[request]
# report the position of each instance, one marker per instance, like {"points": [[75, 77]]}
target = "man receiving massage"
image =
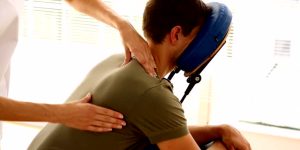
{"points": [[153, 114]]}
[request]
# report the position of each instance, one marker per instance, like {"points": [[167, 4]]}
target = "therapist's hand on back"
{"points": [[85, 116], [136, 46]]}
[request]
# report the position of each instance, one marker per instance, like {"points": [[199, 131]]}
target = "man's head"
{"points": [[169, 26], [160, 16]]}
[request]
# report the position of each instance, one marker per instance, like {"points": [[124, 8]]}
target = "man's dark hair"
{"points": [[160, 16]]}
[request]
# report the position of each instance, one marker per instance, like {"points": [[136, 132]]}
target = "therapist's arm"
{"points": [[80, 114], [132, 40]]}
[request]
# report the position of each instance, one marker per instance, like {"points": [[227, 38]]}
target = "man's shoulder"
{"points": [[134, 75], [129, 81], [112, 61]]}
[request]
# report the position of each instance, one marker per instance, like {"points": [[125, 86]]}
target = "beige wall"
{"points": [[269, 142]]}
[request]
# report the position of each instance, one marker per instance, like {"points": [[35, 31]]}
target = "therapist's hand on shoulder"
{"points": [[136, 46], [85, 116]]}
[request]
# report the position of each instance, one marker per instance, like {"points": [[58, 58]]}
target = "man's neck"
{"points": [[165, 63]]}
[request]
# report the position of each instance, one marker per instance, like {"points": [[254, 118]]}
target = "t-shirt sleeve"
{"points": [[159, 115]]}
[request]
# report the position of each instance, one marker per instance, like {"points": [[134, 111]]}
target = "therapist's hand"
{"points": [[136, 46], [85, 116]]}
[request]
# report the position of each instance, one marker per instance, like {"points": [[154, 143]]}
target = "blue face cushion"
{"points": [[205, 46], [209, 39]]}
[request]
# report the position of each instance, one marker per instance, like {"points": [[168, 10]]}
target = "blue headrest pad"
{"points": [[210, 36]]}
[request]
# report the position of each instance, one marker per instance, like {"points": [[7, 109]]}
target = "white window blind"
{"points": [[56, 20], [282, 47]]}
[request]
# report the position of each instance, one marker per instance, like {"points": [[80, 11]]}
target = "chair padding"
{"points": [[210, 36]]}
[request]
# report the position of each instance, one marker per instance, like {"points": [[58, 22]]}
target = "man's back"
{"points": [[152, 113]]}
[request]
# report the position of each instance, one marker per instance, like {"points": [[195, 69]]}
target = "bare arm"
{"points": [[226, 137], [205, 134], [185, 142], [80, 114], [229, 136], [198, 136], [132, 41], [217, 146]]}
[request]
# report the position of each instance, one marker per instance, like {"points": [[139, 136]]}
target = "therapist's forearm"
{"points": [[12, 110], [100, 11]]}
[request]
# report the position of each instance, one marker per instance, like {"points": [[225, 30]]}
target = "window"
{"points": [[259, 84]]}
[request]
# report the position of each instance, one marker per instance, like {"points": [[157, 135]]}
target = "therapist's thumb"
{"points": [[86, 99], [127, 57]]}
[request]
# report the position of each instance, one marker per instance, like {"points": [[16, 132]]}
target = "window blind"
{"points": [[55, 20]]}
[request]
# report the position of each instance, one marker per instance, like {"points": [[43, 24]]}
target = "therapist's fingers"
{"points": [[102, 124], [144, 57], [108, 121], [97, 129], [101, 110], [136, 46], [104, 117], [85, 116], [146, 60]]}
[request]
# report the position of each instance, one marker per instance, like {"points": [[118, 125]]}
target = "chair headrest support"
{"points": [[207, 42]]}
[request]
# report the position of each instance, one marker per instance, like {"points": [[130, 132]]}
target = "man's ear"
{"points": [[175, 34]]}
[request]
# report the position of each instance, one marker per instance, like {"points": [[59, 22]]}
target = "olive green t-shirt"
{"points": [[152, 112]]}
